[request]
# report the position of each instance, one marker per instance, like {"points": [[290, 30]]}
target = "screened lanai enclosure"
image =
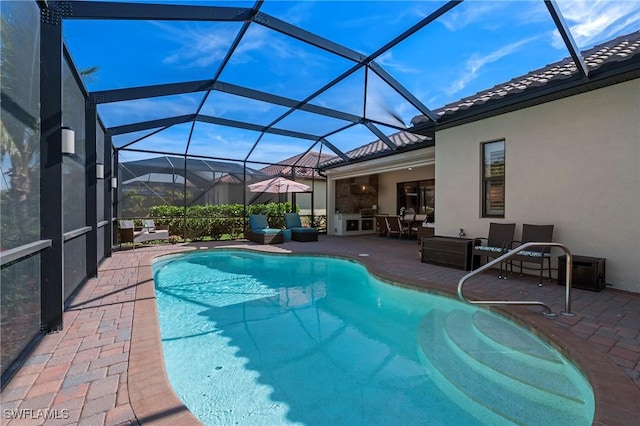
{"points": [[98, 125]]}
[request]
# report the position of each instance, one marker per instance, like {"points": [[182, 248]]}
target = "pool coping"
{"points": [[153, 400]]}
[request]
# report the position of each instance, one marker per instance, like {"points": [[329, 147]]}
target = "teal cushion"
{"points": [[292, 220], [266, 231], [301, 229], [258, 221]]}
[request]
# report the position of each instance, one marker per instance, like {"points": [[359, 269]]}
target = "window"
{"points": [[493, 179], [417, 195]]}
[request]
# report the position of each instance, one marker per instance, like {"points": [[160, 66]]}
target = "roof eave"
{"points": [[412, 147], [602, 77]]}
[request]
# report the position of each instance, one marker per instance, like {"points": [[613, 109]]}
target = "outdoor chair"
{"points": [[259, 231], [149, 232], [495, 244], [409, 215], [299, 232], [381, 225], [534, 233], [126, 232], [396, 227], [418, 221]]}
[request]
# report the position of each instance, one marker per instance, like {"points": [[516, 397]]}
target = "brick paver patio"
{"points": [[105, 366]]}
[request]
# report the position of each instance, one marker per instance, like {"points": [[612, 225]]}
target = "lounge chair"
{"points": [[534, 233], [148, 232], [496, 244], [259, 231], [396, 227], [299, 232]]}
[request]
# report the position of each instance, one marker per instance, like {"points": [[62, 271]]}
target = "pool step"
{"points": [[504, 375], [523, 361]]}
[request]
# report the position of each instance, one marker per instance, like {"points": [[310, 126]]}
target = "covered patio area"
{"points": [[105, 366]]}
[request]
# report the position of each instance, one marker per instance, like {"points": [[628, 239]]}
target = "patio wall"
{"points": [[574, 163], [387, 193], [390, 170]]}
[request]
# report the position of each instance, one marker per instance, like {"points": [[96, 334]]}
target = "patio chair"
{"points": [[299, 232], [417, 222], [381, 225], [259, 231], [409, 215], [126, 232], [148, 232], [495, 244], [534, 233], [396, 227]]}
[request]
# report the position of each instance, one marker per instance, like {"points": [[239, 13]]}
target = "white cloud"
{"points": [[595, 21], [469, 13], [149, 108], [197, 45], [299, 12], [203, 46], [387, 61], [475, 63]]}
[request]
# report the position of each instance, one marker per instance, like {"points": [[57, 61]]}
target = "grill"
{"points": [[367, 213]]}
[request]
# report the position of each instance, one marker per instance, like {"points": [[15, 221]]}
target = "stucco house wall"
{"points": [[574, 163]]}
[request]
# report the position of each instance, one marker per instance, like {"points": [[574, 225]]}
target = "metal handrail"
{"points": [[509, 255]]}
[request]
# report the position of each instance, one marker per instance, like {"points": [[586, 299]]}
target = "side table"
{"points": [[447, 251], [587, 272], [424, 231]]}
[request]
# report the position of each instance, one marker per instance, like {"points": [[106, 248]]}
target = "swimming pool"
{"points": [[252, 338]]}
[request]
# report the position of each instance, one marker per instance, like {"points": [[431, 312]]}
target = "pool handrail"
{"points": [[548, 312]]}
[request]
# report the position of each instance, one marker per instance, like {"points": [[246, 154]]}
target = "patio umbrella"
{"points": [[278, 185]]}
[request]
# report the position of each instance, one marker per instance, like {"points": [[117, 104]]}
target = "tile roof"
{"points": [[606, 56], [404, 141], [304, 164]]}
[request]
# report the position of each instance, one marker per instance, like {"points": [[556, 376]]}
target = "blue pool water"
{"points": [[259, 339]]}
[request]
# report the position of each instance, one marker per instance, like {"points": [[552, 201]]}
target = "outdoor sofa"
{"points": [[299, 232], [259, 231]]}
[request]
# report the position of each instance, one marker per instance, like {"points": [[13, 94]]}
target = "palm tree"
{"points": [[20, 123]]}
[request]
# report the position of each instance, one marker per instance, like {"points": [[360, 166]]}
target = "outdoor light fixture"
{"points": [[114, 182], [68, 140], [99, 171]]}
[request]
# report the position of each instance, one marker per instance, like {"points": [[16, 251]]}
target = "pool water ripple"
{"points": [[255, 339]]}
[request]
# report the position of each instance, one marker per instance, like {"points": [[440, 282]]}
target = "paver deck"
{"points": [[106, 367]]}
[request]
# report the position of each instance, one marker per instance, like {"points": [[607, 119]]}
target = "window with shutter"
{"points": [[493, 194]]}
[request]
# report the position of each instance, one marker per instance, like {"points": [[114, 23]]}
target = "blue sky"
{"points": [[474, 46]]}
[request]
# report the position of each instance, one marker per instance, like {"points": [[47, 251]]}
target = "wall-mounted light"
{"points": [[68, 140], [99, 171], [114, 182]]}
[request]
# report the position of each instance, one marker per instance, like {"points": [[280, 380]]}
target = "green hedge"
{"points": [[225, 221]]}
